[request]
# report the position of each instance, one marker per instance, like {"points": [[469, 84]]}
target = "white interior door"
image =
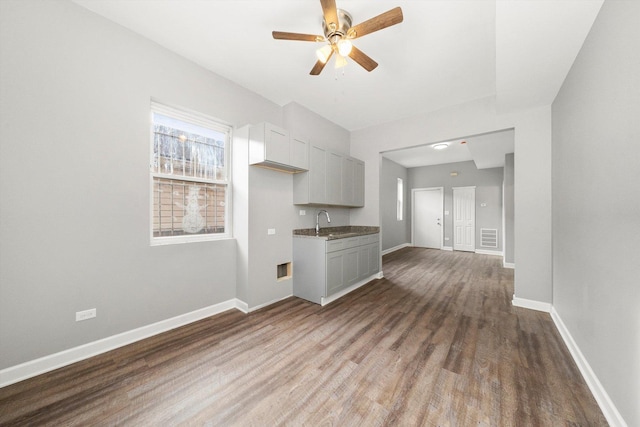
{"points": [[426, 218], [464, 219]]}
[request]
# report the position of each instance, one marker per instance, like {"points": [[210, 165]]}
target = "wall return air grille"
{"points": [[489, 237]]}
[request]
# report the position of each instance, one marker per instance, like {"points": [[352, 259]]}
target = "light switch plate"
{"points": [[271, 231]]}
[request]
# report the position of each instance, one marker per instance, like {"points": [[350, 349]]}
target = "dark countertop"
{"points": [[332, 233]]}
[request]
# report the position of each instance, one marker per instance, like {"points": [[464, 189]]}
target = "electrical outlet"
{"points": [[446, 238], [271, 231], [303, 212], [86, 314]]}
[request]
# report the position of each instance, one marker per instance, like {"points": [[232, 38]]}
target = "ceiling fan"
{"points": [[338, 33]]}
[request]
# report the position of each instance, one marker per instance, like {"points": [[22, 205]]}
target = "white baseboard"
{"points": [[395, 248], [531, 304], [242, 306], [246, 309], [489, 252], [44, 364], [327, 300], [509, 264], [599, 393], [447, 248]]}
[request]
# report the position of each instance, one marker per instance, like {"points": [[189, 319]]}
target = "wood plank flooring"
{"points": [[436, 342]]}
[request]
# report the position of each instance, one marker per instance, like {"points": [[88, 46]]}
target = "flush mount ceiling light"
{"points": [[440, 146], [338, 33]]}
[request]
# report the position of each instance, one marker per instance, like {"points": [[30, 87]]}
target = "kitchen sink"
{"points": [[342, 235]]}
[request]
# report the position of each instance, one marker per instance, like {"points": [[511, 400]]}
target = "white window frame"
{"points": [[400, 200], [202, 120]]}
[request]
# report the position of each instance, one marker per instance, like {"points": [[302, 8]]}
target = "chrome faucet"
{"points": [[318, 219]]}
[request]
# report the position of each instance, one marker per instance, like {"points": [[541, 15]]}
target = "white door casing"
{"points": [[427, 206], [464, 219]]}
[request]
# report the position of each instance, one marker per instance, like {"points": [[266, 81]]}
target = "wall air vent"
{"points": [[489, 237]]}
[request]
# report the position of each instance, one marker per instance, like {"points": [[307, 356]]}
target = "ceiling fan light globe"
{"points": [[323, 53], [344, 47], [341, 61]]}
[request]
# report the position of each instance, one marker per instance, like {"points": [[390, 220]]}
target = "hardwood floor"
{"points": [[437, 342]]}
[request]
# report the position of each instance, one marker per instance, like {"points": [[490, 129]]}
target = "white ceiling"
{"points": [[487, 151], [444, 53]]}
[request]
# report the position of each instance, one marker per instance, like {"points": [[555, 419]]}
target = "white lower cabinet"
{"points": [[369, 259], [343, 263], [342, 269]]}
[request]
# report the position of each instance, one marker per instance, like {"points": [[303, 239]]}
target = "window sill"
{"points": [[164, 241]]}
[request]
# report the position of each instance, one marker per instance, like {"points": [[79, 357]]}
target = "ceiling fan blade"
{"points": [[363, 59], [384, 20], [330, 12], [317, 69], [281, 35]]}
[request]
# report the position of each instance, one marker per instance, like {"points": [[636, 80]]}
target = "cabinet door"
{"points": [[317, 175], [342, 269], [348, 184], [299, 153], [334, 178], [358, 180], [363, 262], [335, 272], [351, 270], [276, 144]]}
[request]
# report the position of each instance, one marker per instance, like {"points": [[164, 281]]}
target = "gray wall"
{"points": [[596, 203], [74, 104], [394, 233], [261, 201], [509, 208], [488, 184]]}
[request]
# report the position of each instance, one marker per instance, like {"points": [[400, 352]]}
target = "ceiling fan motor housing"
{"points": [[339, 31]]}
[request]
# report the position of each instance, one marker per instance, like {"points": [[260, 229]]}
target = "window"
{"points": [[400, 198], [189, 176]]}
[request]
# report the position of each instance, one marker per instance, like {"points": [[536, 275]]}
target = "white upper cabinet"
{"points": [[358, 183], [314, 188], [299, 152], [333, 179], [348, 198], [272, 147]]}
